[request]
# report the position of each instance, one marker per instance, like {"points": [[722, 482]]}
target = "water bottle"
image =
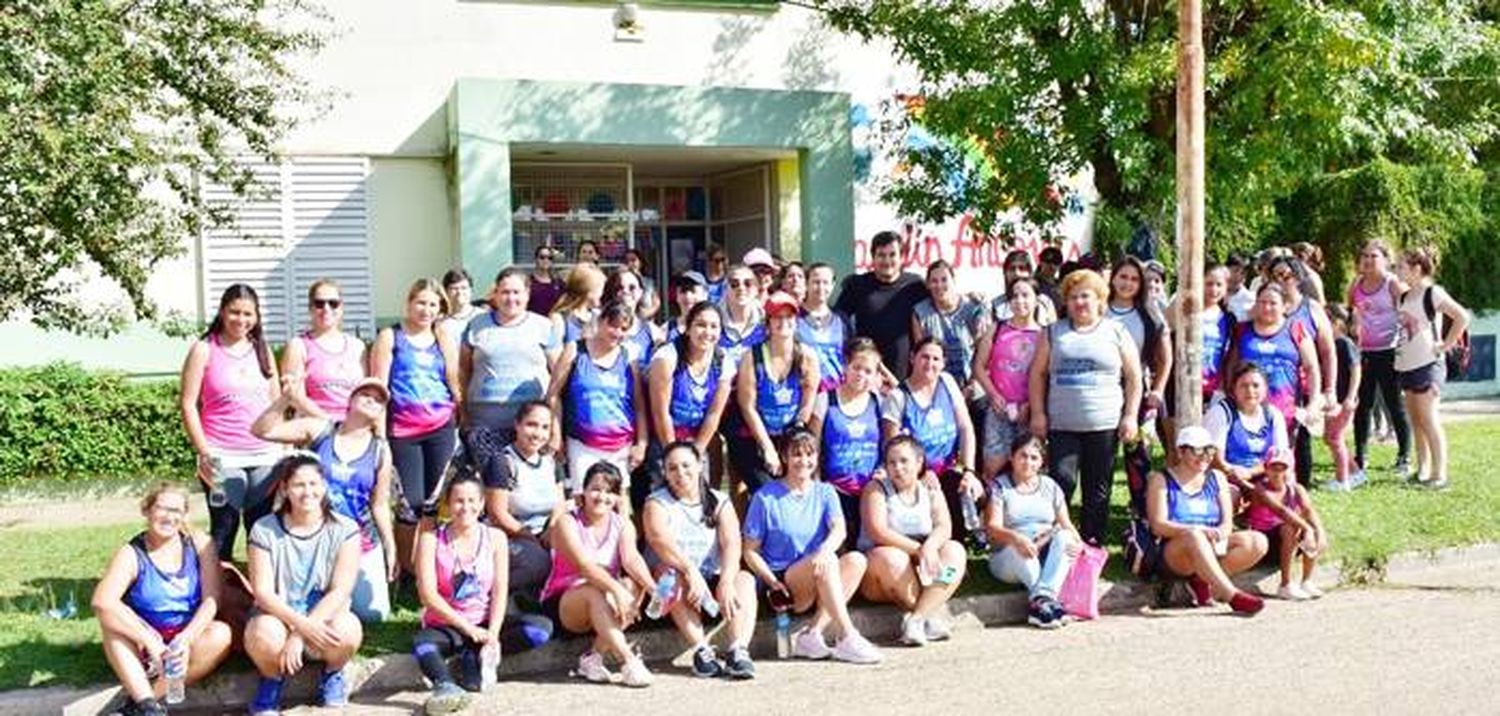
{"points": [[665, 585], [971, 517], [710, 606], [489, 664], [174, 665], [783, 635], [216, 495]]}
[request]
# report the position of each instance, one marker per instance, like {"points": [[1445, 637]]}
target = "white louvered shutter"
{"points": [[309, 220]]}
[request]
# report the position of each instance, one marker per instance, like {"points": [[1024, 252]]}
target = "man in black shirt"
{"points": [[880, 303]]}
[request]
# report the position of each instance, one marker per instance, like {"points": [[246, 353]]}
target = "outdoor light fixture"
{"points": [[628, 23]]}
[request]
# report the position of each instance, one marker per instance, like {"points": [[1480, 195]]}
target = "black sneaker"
{"points": [[739, 666], [1039, 615], [706, 663], [469, 669], [1402, 468], [1058, 611]]}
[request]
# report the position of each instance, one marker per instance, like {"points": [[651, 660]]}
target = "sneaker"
{"points": [[913, 630], [150, 707], [739, 666], [938, 629], [855, 649], [1040, 615], [446, 698], [1336, 486], [267, 701], [1402, 467], [808, 644], [1357, 479], [1203, 596], [1247, 605], [333, 692], [469, 669], [1059, 612], [1436, 485], [1292, 592], [635, 674], [591, 667], [706, 663], [1311, 590]]}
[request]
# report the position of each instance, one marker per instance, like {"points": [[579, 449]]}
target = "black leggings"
{"points": [[1302, 452], [1379, 373], [748, 465], [1088, 457], [421, 461], [433, 646]]}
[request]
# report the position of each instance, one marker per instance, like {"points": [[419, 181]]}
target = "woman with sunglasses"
{"points": [[627, 287], [744, 327], [546, 290], [462, 568], [327, 361], [358, 473], [1190, 509]]}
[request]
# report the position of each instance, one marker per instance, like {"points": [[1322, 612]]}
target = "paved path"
{"points": [[1428, 643]]}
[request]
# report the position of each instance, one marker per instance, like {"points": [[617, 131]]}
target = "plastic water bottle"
{"points": [[783, 635], [710, 606], [489, 664], [174, 665], [665, 585], [971, 517]]}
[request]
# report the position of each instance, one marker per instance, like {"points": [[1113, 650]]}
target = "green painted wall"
{"points": [[485, 116]]}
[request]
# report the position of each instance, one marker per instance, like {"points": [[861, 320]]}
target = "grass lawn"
{"points": [[46, 568]]}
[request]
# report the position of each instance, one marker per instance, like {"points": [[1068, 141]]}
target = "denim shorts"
{"points": [[999, 433]]}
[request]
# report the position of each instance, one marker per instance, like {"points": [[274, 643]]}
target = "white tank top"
{"points": [[912, 520]]}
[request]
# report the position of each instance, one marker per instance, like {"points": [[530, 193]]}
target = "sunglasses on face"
{"points": [[1206, 451], [743, 283], [716, 259], [544, 257], [327, 302]]}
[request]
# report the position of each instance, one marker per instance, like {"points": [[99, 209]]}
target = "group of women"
{"points": [[593, 441]]}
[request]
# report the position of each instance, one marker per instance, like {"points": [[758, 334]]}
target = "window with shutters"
{"points": [[308, 219]]}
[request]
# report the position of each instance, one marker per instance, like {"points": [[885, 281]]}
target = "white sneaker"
{"points": [[1292, 593], [938, 630], [635, 674], [913, 630], [855, 649], [591, 667], [1311, 590], [808, 644]]}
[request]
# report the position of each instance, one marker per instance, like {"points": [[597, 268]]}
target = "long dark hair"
{"points": [[1150, 318], [706, 496], [288, 466], [238, 292], [681, 341]]}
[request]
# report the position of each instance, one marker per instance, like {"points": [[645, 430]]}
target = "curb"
{"points": [[399, 672]]}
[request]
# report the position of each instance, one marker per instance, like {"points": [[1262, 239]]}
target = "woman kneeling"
{"points": [[462, 571], [907, 536], [693, 531], [304, 559], [598, 577], [1189, 508], [159, 595]]}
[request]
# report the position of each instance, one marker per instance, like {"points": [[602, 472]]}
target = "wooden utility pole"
{"points": [[1189, 339]]}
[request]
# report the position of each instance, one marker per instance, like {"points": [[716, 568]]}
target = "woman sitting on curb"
{"points": [[598, 577], [161, 592], [304, 559], [693, 530], [461, 578], [1189, 507], [1028, 524], [908, 540], [792, 534]]}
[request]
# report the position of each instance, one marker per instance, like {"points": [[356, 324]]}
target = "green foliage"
{"points": [[1449, 207], [1036, 91], [111, 113], [62, 423]]}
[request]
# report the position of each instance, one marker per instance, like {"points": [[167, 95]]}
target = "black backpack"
{"points": [[1457, 358]]}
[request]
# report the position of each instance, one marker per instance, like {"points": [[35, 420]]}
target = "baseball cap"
{"points": [[1194, 436], [1281, 456], [692, 278], [1156, 266], [374, 384], [759, 258], [781, 301]]}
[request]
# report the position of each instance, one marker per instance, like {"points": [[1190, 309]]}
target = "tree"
{"points": [[111, 114], [1040, 90]]}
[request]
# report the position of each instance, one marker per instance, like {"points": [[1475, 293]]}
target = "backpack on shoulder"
{"points": [[1456, 360]]}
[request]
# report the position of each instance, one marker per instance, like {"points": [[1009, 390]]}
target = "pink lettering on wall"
{"points": [[960, 245]]}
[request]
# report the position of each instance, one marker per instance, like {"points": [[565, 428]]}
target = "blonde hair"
{"points": [[1084, 279], [312, 291], [583, 279], [161, 488], [428, 284]]}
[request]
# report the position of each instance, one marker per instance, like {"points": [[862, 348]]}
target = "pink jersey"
{"points": [[330, 376], [1010, 361], [466, 584], [1377, 314], [605, 553], [1261, 518], [233, 394]]}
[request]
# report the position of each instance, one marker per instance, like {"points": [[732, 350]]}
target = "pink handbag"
{"points": [[1080, 591]]}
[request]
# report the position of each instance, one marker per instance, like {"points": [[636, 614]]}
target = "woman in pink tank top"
{"points": [[328, 361], [228, 380], [1002, 365], [1374, 296], [598, 576]]}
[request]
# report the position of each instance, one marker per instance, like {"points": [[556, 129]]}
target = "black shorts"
{"points": [[1421, 380], [552, 609]]}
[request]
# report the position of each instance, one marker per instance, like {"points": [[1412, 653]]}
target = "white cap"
{"points": [[1194, 436]]}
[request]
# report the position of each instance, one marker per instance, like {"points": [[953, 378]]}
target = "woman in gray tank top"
{"points": [[522, 495], [1087, 372], [907, 535], [693, 529]]}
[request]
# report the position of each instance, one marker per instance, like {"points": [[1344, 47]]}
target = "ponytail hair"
{"points": [[706, 496], [239, 292]]}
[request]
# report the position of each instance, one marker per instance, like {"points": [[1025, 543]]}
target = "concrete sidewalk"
{"points": [[387, 674]]}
